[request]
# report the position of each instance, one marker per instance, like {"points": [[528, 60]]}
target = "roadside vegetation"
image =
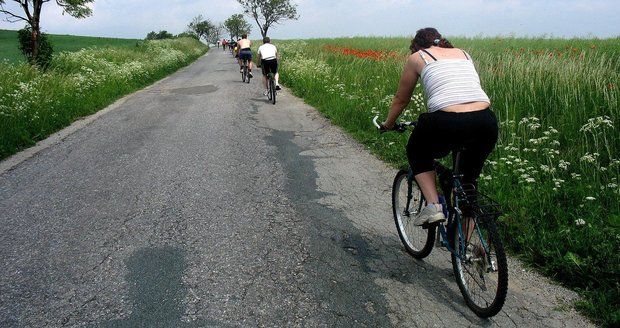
{"points": [[35, 102], [557, 164]]}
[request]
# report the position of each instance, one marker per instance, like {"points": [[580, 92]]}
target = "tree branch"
{"points": [[13, 18]]}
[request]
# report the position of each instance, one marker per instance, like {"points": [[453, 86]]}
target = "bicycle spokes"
{"points": [[480, 266]]}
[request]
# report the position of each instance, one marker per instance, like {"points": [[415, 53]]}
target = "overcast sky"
{"points": [[332, 18]]}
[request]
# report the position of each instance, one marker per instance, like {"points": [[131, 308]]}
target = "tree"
{"points": [[200, 27], [186, 35], [44, 56], [215, 33], [159, 35], [237, 26], [269, 12], [204, 29], [32, 16]]}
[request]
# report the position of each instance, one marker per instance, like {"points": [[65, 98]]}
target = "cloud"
{"points": [[331, 18]]}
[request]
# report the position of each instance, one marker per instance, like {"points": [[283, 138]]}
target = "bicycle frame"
{"points": [[450, 183]]}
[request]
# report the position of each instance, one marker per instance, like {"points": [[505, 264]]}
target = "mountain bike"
{"points": [[245, 77], [470, 233], [271, 95]]}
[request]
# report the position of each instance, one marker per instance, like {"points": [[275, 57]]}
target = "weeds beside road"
{"points": [[556, 168], [35, 103]]}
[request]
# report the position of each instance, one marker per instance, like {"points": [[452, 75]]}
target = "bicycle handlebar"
{"points": [[398, 127]]}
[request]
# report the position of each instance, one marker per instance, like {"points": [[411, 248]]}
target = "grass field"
{"points": [[35, 103], [556, 167], [10, 51]]}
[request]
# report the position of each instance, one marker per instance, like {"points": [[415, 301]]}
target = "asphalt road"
{"points": [[196, 203]]}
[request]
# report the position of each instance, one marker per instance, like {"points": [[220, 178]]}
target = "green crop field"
{"points": [[556, 167], [10, 51]]}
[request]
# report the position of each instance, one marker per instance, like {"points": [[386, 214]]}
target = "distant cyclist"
{"points": [[236, 49], [268, 54], [245, 53], [232, 44]]}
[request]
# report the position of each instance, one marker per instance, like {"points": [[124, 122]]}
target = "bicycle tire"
{"points": [[482, 308], [269, 88], [272, 90], [244, 73], [418, 241]]}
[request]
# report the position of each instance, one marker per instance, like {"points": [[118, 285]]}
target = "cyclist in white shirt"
{"points": [[269, 62]]}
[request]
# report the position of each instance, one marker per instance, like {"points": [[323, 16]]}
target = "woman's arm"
{"points": [[408, 80]]}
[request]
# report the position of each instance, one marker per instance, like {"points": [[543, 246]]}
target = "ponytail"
{"points": [[428, 37], [444, 43]]}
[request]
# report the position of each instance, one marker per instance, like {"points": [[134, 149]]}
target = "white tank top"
{"points": [[450, 82]]}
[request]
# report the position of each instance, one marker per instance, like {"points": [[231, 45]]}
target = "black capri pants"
{"points": [[269, 66], [439, 133]]}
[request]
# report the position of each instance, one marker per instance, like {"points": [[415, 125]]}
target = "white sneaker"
{"points": [[266, 92], [430, 214]]}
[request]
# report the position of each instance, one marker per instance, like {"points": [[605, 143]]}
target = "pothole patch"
{"points": [[196, 90]]}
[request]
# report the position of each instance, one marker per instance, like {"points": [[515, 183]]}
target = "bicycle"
{"points": [[470, 233], [271, 95], [245, 77]]}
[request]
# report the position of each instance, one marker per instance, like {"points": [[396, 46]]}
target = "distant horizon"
{"points": [[546, 37]]}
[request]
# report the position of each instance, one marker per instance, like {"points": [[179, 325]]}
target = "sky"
{"points": [[341, 18]]}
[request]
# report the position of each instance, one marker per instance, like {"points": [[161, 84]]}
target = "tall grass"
{"points": [[34, 103], [556, 166]]}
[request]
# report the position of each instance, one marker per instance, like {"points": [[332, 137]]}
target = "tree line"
{"points": [[38, 51]]}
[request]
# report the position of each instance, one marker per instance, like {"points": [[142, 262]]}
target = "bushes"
{"points": [[26, 46]]}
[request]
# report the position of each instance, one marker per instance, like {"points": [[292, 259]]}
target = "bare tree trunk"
{"points": [[36, 28], [263, 31], [35, 44]]}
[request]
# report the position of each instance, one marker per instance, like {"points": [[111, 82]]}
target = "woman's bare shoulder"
{"points": [[415, 60]]}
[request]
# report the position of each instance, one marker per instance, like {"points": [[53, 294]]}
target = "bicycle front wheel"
{"points": [[407, 201], [480, 268]]}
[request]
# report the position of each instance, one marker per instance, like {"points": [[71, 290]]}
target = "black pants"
{"points": [[439, 133], [269, 66]]}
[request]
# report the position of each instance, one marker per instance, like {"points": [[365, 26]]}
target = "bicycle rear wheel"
{"points": [[244, 74], [417, 241], [481, 269], [272, 90]]}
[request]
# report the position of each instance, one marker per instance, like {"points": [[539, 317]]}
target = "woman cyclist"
{"points": [[458, 115]]}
